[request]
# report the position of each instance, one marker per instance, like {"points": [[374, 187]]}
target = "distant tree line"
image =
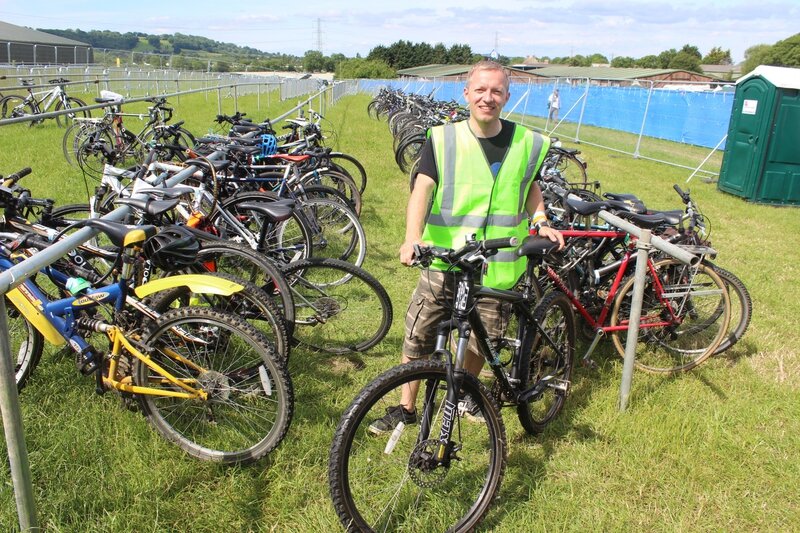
{"points": [[785, 53], [200, 53], [687, 58]]}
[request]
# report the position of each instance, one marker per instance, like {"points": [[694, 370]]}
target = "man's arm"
{"points": [[535, 203], [417, 208]]}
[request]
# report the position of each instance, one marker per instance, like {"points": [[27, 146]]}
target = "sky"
{"points": [[511, 27]]}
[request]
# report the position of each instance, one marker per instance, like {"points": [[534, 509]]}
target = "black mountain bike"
{"points": [[439, 471]]}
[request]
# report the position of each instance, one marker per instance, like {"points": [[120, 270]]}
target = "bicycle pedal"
{"points": [[560, 385], [590, 363], [89, 367]]}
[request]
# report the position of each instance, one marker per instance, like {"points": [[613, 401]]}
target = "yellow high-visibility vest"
{"points": [[469, 200]]}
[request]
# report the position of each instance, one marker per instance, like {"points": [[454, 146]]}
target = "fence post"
{"points": [[583, 110], [642, 247], [15, 436], [644, 119]]}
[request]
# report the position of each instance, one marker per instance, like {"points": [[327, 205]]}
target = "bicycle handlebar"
{"points": [[684, 195], [467, 255], [11, 179]]}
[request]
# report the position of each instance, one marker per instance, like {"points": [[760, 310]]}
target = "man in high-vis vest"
{"points": [[475, 177]]}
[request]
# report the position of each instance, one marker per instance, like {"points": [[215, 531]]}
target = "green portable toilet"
{"points": [[762, 154]]}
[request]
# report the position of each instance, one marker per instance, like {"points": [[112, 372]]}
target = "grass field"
{"points": [[712, 450]]}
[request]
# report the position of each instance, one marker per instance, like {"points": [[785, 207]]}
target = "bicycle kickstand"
{"points": [[587, 360]]}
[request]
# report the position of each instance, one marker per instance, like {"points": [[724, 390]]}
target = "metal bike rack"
{"points": [[645, 242], [9, 398]]}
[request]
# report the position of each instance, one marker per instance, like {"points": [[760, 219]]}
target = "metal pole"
{"points": [[644, 119], [707, 157], [657, 242], [643, 248], [15, 435], [583, 110]]}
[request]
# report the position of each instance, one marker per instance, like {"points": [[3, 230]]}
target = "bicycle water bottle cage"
{"points": [[269, 145]]}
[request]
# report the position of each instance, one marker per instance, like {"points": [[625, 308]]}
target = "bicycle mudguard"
{"points": [[197, 283], [29, 307]]}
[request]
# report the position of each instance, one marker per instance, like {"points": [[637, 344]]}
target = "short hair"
{"points": [[487, 64]]}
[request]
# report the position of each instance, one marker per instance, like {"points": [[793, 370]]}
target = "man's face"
{"points": [[486, 94]]}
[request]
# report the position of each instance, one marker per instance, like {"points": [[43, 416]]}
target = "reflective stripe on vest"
{"points": [[468, 199]]}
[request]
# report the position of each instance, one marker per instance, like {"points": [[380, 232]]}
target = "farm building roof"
{"points": [[435, 70], [561, 71], [557, 71], [21, 34]]}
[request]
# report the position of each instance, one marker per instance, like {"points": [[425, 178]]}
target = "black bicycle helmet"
{"points": [[173, 248]]}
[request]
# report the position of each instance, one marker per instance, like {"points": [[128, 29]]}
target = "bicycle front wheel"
{"points": [[335, 315], [392, 480], [685, 316], [71, 103], [26, 344], [249, 400], [546, 361]]}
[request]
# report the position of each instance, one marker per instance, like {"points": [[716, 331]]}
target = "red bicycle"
{"points": [[685, 309]]}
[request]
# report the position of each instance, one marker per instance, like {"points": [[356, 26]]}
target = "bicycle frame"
{"points": [[467, 321], [49, 98], [55, 320]]}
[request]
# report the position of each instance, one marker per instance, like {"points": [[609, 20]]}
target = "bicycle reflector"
{"points": [[269, 145]]}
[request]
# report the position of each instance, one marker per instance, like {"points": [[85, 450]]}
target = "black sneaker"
{"points": [[469, 409], [389, 421]]}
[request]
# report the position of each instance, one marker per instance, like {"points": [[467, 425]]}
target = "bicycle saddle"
{"points": [[535, 246], [245, 128], [276, 211], [643, 221], [631, 206], [121, 235], [672, 217], [586, 208], [149, 206]]}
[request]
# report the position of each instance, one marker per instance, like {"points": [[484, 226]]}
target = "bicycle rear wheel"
{"points": [[13, 106], [335, 230], [251, 304], [284, 242], [695, 303], [250, 397], [335, 315], [741, 308], [350, 166], [247, 264], [392, 481], [546, 359]]}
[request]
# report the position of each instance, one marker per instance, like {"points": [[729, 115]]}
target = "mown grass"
{"points": [[714, 449]]}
